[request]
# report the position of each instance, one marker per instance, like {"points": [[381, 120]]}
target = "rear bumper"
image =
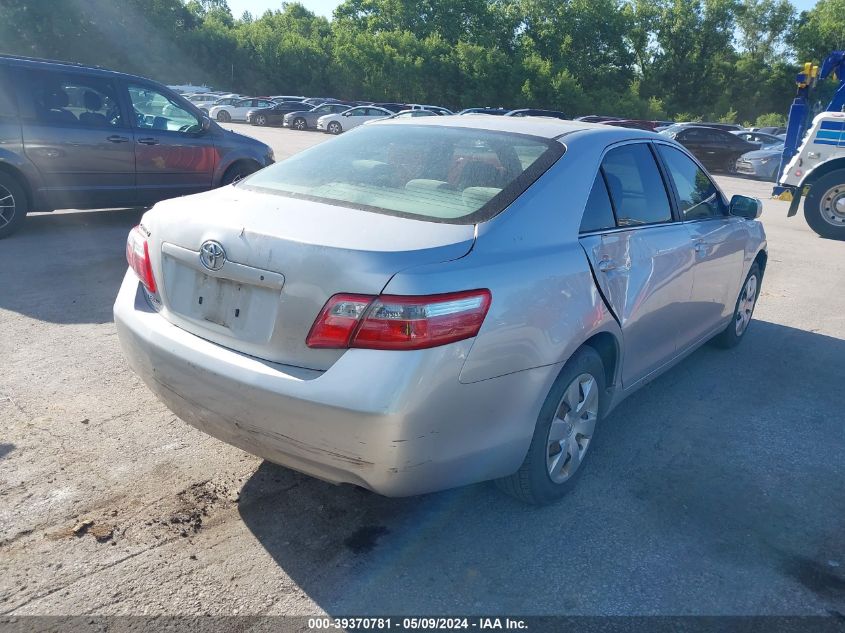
{"points": [[397, 423]]}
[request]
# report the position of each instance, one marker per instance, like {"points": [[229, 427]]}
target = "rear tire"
{"points": [[824, 206], [299, 124], [13, 205], [223, 116], [743, 311], [563, 433]]}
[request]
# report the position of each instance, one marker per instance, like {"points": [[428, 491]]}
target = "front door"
{"points": [[76, 134], [643, 262], [173, 156], [718, 241]]}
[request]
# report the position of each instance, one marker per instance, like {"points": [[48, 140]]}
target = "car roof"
{"points": [[52, 64], [535, 126]]}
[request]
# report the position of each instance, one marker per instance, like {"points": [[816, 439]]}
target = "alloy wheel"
{"points": [[299, 124], [572, 428], [7, 207], [745, 306]]}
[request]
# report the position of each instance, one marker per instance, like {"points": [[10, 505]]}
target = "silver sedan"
{"points": [[428, 303]]}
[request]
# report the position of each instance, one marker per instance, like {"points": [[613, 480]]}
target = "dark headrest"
{"points": [[92, 100]]}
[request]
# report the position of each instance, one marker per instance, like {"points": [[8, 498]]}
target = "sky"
{"points": [[325, 7], [257, 7]]}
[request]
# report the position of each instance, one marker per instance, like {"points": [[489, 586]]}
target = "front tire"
{"points": [[299, 124], [334, 128], [236, 172], [563, 433], [824, 206], [260, 120], [13, 205], [743, 310], [223, 116]]}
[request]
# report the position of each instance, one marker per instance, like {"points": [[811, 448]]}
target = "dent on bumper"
{"points": [[397, 423]]}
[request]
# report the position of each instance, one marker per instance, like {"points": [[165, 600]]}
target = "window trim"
{"points": [[675, 197]]}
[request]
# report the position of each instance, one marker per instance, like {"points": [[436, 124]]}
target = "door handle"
{"points": [[114, 138], [606, 265], [148, 141]]}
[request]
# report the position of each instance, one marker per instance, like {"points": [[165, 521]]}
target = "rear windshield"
{"points": [[437, 174]]}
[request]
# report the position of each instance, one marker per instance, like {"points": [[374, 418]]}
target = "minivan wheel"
{"points": [[223, 116], [13, 205], [563, 434], [236, 172], [299, 123], [334, 128], [743, 311]]}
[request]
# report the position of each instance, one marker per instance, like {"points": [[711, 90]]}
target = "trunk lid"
{"points": [[283, 259]]}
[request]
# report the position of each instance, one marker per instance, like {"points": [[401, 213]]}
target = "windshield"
{"points": [[672, 130], [438, 174]]}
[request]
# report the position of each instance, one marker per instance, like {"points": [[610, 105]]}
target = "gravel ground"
{"points": [[718, 489]]}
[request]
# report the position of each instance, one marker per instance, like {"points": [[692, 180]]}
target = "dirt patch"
{"points": [[194, 505]]}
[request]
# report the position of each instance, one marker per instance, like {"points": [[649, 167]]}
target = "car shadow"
{"points": [[717, 489], [66, 267]]}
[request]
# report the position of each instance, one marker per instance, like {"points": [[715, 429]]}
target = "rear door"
{"points": [[77, 135], [173, 156], [718, 242], [641, 257]]}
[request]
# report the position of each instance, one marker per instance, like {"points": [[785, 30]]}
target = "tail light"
{"points": [[391, 322], [138, 256]]}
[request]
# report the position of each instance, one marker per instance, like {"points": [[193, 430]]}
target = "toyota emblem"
{"points": [[212, 255]]}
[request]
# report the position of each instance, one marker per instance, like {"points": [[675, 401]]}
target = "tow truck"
{"points": [[813, 162]]}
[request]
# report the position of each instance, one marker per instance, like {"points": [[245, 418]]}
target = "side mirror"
{"points": [[746, 207], [345, 114], [206, 124]]}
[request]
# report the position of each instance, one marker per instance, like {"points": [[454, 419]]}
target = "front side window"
{"points": [[698, 197], [155, 110], [636, 186], [438, 174], [65, 99]]}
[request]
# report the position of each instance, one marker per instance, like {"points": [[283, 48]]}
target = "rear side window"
{"points": [[598, 214], [66, 99], [8, 106], [636, 186], [698, 197]]}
